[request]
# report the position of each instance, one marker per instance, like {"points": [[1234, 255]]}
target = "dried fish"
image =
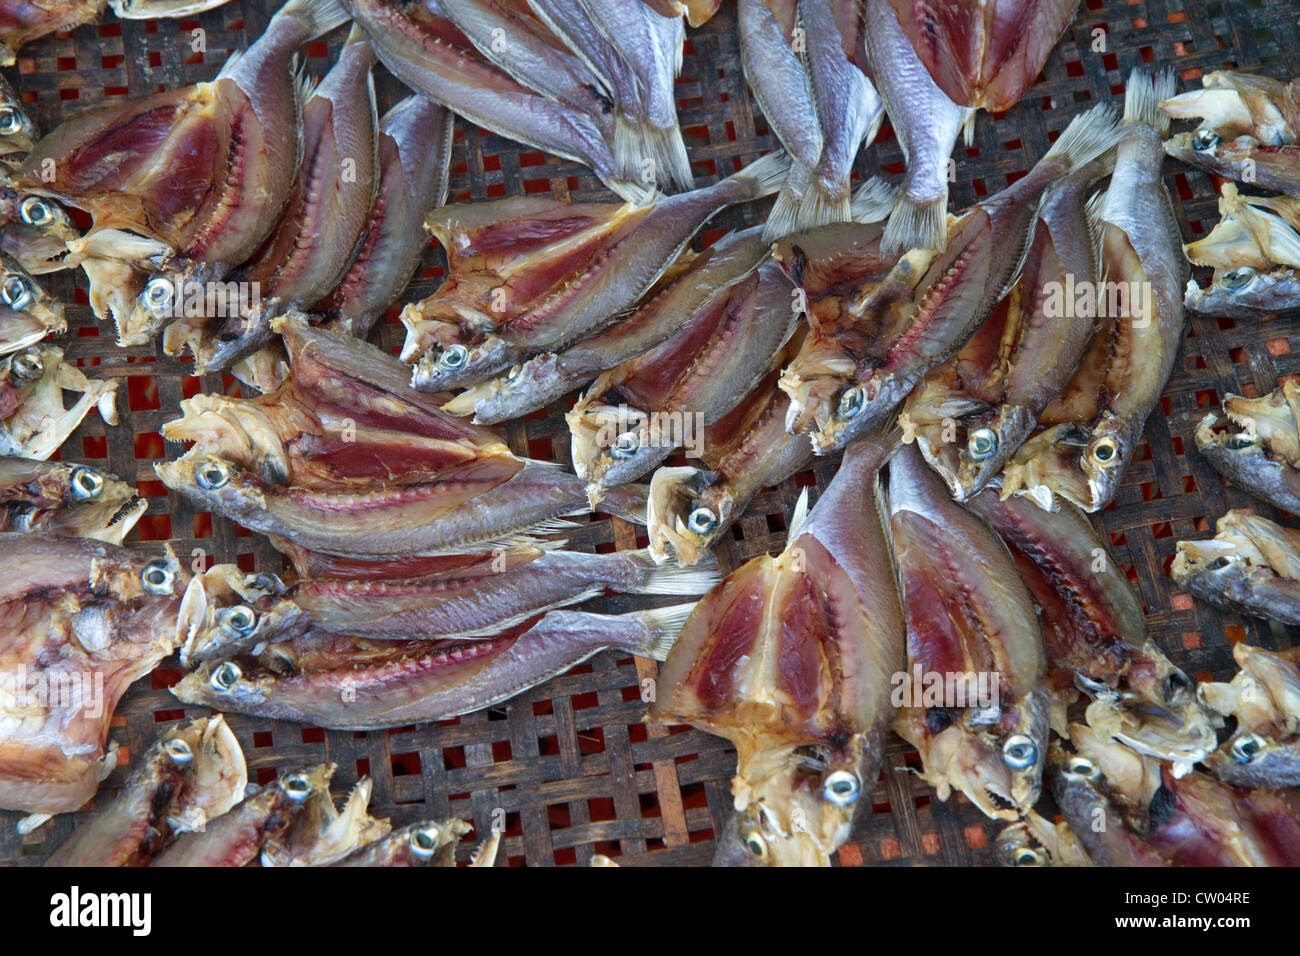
{"points": [[320, 835], [791, 659], [975, 690], [529, 275], [432, 843], [27, 312], [1251, 565], [17, 131], [236, 838], [1261, 455], [1033, 841], [193, 773], [347, 684], [32, 383], [80, 620], [1264, 699], [34, 231], [22, 21], [66, 499]]}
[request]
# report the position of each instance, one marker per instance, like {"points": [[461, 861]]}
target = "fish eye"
{"points": [[1218, 564], [1246, 749], [982, 444], [1204, 138], [179, 751], [239, 621], [1019, 752], [454, 357], [1027, 856], [297, 786], [158, 577], [755, 844], [158, 293], [17, 292], [1240, 441], [28, 365], [702, 520], [424, 840], [851, 402], [1236, 279], [1104, 451], [225, 676], [11, 121], [842, 788], [625, 446], [1174, 686], [35, 211], [1082, 767], [212, 475], [514, 374], [86, 482]]}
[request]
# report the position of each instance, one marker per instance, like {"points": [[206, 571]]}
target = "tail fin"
{"points": [[629, 148], [628, 502], [1088, 136], [670, 579], [667, 151], [662, 627], [763, 176], [320, 16], [819, 208], [1143, 95], [873, 200], [916, 225]]}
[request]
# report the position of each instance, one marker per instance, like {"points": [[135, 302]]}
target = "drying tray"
{"points": [[567, 768]]}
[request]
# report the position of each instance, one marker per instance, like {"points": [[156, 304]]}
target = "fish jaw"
{"points": [[1231, 570], [1047, 466], [1181, 734], [1270, 763], [1241, 457], [218, 776], [1244, 159], [457, 365], [600, 435], [674, 493], [239, 431]]}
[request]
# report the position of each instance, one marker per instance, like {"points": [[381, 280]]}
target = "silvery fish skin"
{"points": [[89, 618], [432, 843], [926, 122], [66, 499], [236, 838], [17, 131], [1264, 699], [691, 509], [971, 414], [984, 54], [192, 773], [198, 178], [1245, 293], [38, 314], [1261, 453], [693, 378], [528, 275], [483, 596], [547, 377], [930, 303], [326, 217], [1251, 565], [414, 165], [423, 48], [321, 835], [35, 422], [968, 614], [1094, 633], [34, 231], [358, 685], [1122, 374], [791, 659], [1034, 841], [22, 21]]}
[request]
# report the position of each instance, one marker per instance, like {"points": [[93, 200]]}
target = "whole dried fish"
{"points": [[1251, 565], [80, 620], [236, 838], [544, 378], [926, 123], [66, 499], [690, 381], [971, 633], [347, 684], [481, 597], [930, 303], [432, 843], [320, 835], [197, 179], [1264, 699], [1262, 455], [414, 174], [1255, 251], [529, 275], [970, 414], [791, 659], [1094, 633], [193, 773], [325, 219], [980, 53], [423, 48], [1122, 374], [1248, 131], [32, 382]]}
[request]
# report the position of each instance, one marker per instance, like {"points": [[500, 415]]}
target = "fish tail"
{"points": [[665, 148], [872, 201], [916, 224], [660, 627], [1143, 95], [784, 217], [318, 16], [820, 208], [1088, 136], [629, 148], [628, 502], [671, 579], [968, 129], [763, 176]]}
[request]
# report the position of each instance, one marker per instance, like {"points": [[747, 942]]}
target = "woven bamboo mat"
{"points": [[567, 768]]}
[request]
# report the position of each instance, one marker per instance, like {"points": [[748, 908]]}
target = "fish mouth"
{"points": [[674, 499], [1181, 738], [122, 521]]}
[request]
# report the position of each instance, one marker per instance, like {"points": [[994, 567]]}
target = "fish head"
{"points": [[119, 266], [687, 514], [240, 432], [216, 775], [212, 481], [21, 293], [814, 380], [1047, 466], [1273, 418], [1156, 712], [1249, 759], [1238, 453], [1263, 696], [456, 364], [225, 612], [612, 444], [983, 447], [223, 685], [1034, 841], [97, 505], [1233, 104], [513, 394], [17, 131], [1102, 461]]}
